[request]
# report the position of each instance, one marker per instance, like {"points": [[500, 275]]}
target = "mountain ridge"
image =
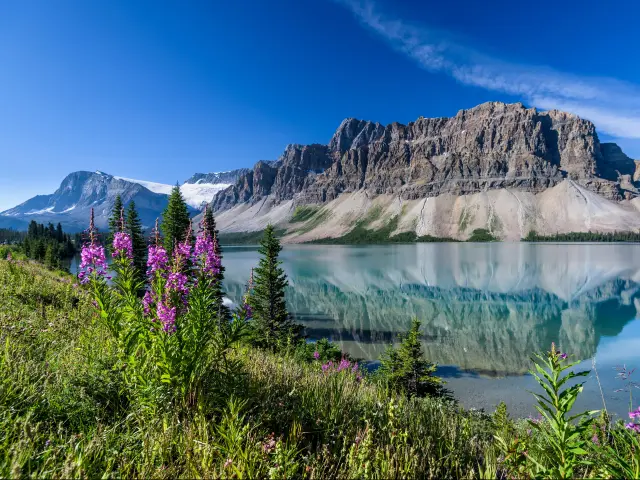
{"points": [[489, 148]]}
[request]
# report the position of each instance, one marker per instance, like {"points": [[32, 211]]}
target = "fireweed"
{"points": [[166, 326]]}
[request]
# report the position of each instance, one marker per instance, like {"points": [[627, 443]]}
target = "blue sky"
{"points": [[159, 90]]}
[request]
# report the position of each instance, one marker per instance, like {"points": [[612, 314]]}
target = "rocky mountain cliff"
{"points": [[215, 178], [493, 146]]}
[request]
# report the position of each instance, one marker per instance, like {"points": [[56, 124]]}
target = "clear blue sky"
{"points": [[158, 90]]}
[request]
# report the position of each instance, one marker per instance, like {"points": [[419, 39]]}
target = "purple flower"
{"points": [[316, 355], [93, 261], [563, 356], [158, 260], [181, 253], [122, 246], [9, 258], [327, 366], [177, 282], [595, 439], [167, 315], [248, 311], [205, 256], [228, 463], [147, 301], [633, 426]]}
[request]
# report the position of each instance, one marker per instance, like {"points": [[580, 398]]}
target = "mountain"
{"points": [[199, 189], [499, 166], [71, 203]]}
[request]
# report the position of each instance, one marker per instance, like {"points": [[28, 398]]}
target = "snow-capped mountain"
{"points": [[197, 190], [80, 191]]}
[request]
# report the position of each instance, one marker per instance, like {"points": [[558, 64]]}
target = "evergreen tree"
{"points": [[272, 326], [133, 226], [59, 233], [114, 220], [209, 222], [175, 220], [406, 370], [50, 257]]}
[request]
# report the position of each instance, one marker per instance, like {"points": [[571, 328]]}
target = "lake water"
{"points": [[485, 308]]}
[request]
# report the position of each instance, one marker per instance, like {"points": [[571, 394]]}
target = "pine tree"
{"points": [[175, 220], [59, 233], [272, 325], [210, 222], [133, 225], [405, 369], [209, 225], [50, 257], [114, 220]]}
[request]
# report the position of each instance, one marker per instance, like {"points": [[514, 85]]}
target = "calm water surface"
{"points": [[485, 308]]}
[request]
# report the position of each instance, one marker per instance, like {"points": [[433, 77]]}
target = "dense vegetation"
{"points": [[9, 236], [47, 244], [96, 381], [532, 236], [245, 238]]}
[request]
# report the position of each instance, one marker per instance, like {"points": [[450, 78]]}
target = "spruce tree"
{"points": [[406, 370], [114, 220], [209, 222], [50, 257], [133, 226], [175, 220], [272, 326]]}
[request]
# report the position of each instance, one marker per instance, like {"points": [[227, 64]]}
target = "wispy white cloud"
{"points": [[613, 105]]}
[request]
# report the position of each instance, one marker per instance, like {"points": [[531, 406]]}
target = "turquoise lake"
{"points": [[485, 308]]}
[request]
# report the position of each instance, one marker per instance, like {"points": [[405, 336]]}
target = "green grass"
{"points": [[360, 235], [481, 235], [303, 213], [245, 238]]}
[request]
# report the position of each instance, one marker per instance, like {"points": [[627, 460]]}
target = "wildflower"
{"points": [[634, 414], [122, 246], [228, 463], [147, 301], [248, 311], [204, 253], [595, 440], [633, 426], [316, 355], [177, 282], [93, 261], [9, 258], [167, 315], [269, 445], [158, 260]]}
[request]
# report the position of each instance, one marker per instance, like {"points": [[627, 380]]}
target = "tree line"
{"points": [[533, 236], [48, 244]]}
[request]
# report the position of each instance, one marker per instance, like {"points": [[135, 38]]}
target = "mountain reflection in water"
{"points": [[485, 308]]}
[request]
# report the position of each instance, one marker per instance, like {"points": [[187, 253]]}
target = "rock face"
{"points": [[230, 177], [491, 146]]}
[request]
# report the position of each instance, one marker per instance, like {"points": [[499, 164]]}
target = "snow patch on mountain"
{"points": [[195, 194]]}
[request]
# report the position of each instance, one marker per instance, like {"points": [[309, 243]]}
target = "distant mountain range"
{"points": [[71, 203], [501, 167]]}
